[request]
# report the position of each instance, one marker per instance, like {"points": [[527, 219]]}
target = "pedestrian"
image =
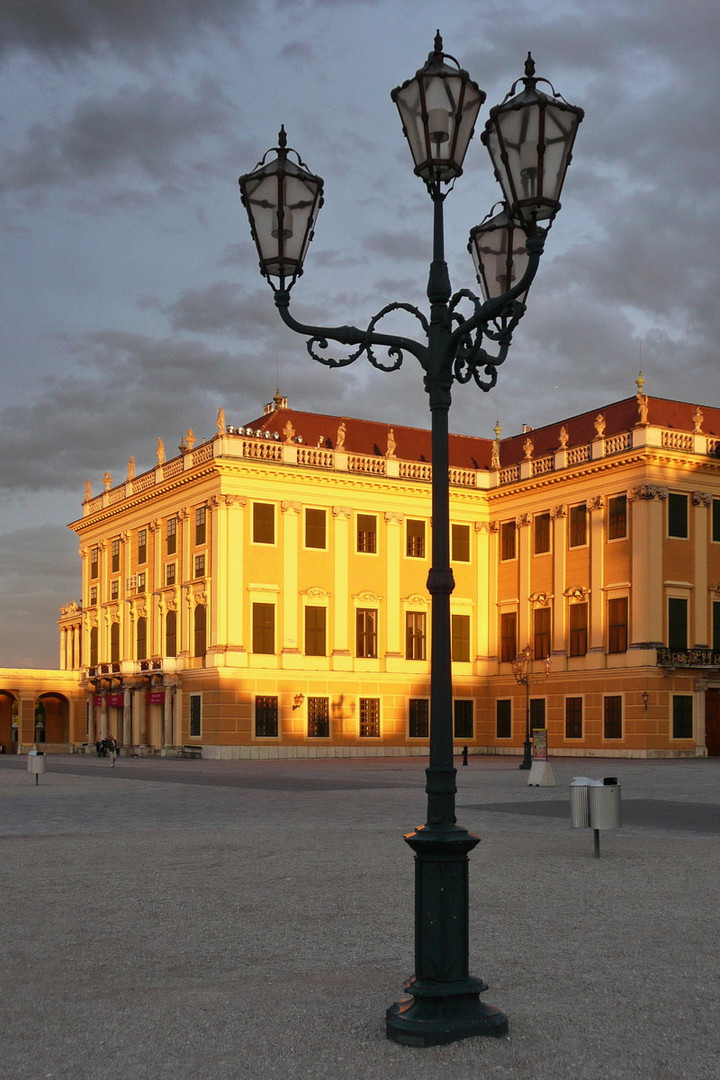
{"points": [[113, 748], [465, 755]]}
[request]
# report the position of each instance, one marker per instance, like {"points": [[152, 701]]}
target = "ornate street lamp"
{"points": [[522, 670], [438, 108]]}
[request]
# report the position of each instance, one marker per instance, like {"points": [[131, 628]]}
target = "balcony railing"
{"points": [[688, 658]]}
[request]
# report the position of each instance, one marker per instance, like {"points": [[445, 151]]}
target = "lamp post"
{"points": [[530, 138], [522, 670]]}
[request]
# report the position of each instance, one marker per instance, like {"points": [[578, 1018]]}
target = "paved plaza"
{"points": [[199, 920]]}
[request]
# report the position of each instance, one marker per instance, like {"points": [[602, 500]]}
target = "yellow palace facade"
{"points": [[263, 592]]}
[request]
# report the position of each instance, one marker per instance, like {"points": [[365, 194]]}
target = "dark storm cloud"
{"points": [[137, 130], [62, 28]]}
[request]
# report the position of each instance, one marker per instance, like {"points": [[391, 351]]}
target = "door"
{"points": [[712, 722]]}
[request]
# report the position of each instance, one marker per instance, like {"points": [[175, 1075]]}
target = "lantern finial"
{"points": [[529, 67]]}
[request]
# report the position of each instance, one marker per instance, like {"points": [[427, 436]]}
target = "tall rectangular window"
{"points": [[200, 565], [195, 716], [263, 628], [415, 629], [141, 638], [142, 546], [541, 633], [94, 563], [537, 713], [266, 716], [677, 515], [715, 625], [200, 524], [677, 623], [171, 536], [114, 589], [577, 535], [366, 632], [367, 533], [541, 534], [315, 528], [508, 541], [369, 718], [415, 538], [418, 718], [682, 718], [508, 636], [617, 617], [315, 631], [612, 716], [171, 633], [573, 718], [578, 630], [318, 718], [463, 721], [617, 517], [170, 574], [115, 557], [716, 520], [200, 630], [503, 718], [460, 638], [460, 543], [263, 523]]}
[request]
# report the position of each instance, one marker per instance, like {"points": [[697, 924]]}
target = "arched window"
{"points": [[200, 630], [171, 633]]}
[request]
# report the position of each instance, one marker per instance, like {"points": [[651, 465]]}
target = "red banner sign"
{"points": [[156, 697], [116, 700]]}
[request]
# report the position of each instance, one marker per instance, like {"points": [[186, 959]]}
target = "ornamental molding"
{"points": [[701, 498], [367, 597], [315, 593], [287, 506], [393, 518], [415, 600], [342, 512], [487, 527], [597, 502], [647, 492], [540, 598], [576, 592], [522, 519], [558, 512]]}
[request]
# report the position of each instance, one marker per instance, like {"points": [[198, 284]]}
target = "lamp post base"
{"points": [[526, 762], [437, 1014]]}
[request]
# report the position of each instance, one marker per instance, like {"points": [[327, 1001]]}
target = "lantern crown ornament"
{"points": [[438, 108], [530, 137], [282, 200]]}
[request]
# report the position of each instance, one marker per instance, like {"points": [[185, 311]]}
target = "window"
{"points": [[93, 595], [716, 626], [141, 638], [266, 716], [115, 557], [578, 630], [503, 718], [94, 562], [678, 516], [418, 718], [508, 540], [612, 717], [171, 536], [617, 517], [541, 633], [114, 589], [369, 718], [315, 631], [171, 633], [537, 713], [263, 628], [367, 533], [115, 643], [195, 716], [716, 520], [617, 614], [573, 718], [415, 631], [263, 523], [93, 646], [682, 721], [200, 566], [366, 632], [460, 638], [170, 574], [318, 718], [415, 539], [508, 636], [463, 727], [200, 524], [677, 623], [541, 534], [315, 529], [460, 543], [142, 546], [200, 630], [141, 583], [578, 526]]}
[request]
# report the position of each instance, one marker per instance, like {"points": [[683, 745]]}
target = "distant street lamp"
{"points": [[530, 138], [522, 670]]}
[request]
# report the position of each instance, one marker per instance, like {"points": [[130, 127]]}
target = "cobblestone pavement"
{"points": [[197, 919]]}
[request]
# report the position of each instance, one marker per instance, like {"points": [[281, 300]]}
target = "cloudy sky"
{"points": [[130, 302]]}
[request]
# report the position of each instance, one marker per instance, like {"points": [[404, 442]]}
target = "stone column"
{"points": [[699, 628], [647, 532], [290, 649], [340, 648]]}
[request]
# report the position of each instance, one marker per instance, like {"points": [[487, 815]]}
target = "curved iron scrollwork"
{"points": [[471, 359]]}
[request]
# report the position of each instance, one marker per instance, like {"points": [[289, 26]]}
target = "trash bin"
{"points": [[36, 763], [604, 803], [580, 803]]}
